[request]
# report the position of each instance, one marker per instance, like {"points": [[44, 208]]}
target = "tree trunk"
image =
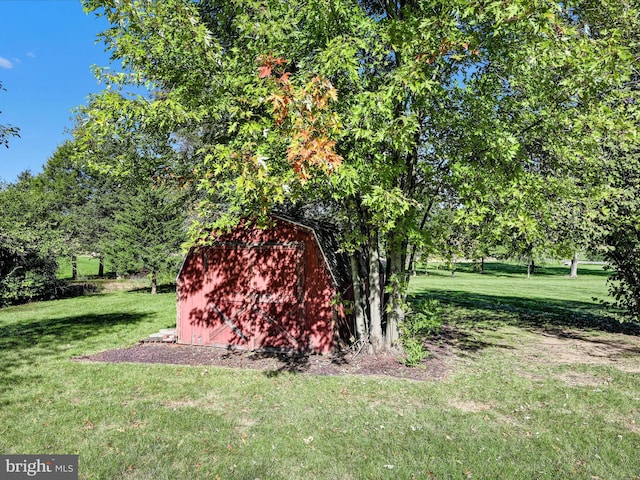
{"points": [[74, 267], [574, 266], [397, 298], [413, 262], [375, 295], [531, 267], [101, 267], [359, 300], [154, 283]]}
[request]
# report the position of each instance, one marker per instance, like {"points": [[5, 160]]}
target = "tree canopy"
{"points": [[28, 244], [375, 113], [147, 231]]}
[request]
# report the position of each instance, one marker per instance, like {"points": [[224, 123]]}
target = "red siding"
{"points": [[258, 289]]}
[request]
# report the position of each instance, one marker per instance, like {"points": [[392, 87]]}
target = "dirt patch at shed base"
{"points": [[545, 347], [434, 367]]}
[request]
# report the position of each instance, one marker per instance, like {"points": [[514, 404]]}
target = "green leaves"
{"points": [[375, 113], [148, 230], [386, 207]]}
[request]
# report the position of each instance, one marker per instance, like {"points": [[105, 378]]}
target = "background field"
{"points": [[87, 267], [528, 394]]}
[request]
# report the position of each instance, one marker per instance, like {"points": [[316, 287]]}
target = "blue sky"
{"points": [[47, 48]]}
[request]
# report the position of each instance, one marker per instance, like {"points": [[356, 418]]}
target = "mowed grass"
{"points": [[88, 267], [505, 411], [504, 292]]}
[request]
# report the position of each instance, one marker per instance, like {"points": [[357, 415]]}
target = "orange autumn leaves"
{"points": [[305, 114]]}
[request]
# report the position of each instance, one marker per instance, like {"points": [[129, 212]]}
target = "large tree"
{"points": [[148, 231], [26, 215], [66, 188], [29, 246], [378, 111], [617, 226], [82, 203]]}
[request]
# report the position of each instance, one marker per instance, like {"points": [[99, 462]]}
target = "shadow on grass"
{"points": [[531, 312], [164, 288], [26, 343], [477, 314], [466, 341], [564, 272]]}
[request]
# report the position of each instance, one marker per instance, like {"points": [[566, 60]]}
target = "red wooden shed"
{"points": [[265, 289]]}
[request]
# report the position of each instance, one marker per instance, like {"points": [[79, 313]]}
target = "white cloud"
{"points": [[31, 55], [4, 63]]}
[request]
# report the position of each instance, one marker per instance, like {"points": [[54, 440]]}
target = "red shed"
{"points": [[265, 289]]}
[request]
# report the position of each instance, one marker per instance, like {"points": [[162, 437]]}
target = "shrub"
{"points": [[25, 274], [422, 320], [623, 257]]}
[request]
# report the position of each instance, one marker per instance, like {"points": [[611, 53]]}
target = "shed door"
{"points": [[262, 305], [277, 288], [226, 299]]}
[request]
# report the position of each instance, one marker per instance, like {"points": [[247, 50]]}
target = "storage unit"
{"points": [[278, 288]]}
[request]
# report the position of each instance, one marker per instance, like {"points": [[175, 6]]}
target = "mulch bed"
{"points": [[435, 367]]}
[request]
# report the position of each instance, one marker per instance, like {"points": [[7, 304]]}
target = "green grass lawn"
{"points": [[87, 267], [504, 292], [505, 411]]}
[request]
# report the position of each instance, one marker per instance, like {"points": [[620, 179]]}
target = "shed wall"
{"points": [[258, 289]]}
